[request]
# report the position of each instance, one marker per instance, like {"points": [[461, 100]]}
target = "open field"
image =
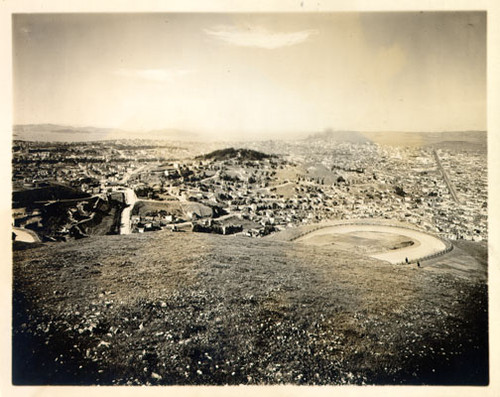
{"points": [[364, 242], [184, 308], [147, 207], [389, 243]]}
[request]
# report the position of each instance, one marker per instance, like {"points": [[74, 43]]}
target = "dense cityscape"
{"points": [[146, 185]]}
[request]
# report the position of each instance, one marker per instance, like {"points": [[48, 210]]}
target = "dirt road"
{"points": [[28, 236], [130, 199]]}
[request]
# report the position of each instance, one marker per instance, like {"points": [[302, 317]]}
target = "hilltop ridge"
{"points": [[230, 153], [193, 308]]}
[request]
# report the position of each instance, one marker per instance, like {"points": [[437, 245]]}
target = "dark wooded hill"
{"points": [[231, 153]]}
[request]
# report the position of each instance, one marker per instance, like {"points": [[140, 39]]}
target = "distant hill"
{"points": [[463, 140], [56, 128], [65, 133], [468, 140], [230, 153], [420, 139]]}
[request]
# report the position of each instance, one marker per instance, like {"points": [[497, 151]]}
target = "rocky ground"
{"points": [[186, 308]]}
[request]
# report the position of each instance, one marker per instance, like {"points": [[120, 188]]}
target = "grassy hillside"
{"points": [[184, 308], [145, 208]]}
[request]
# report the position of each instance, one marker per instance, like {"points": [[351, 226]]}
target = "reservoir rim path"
{"points": [[429, 245]]}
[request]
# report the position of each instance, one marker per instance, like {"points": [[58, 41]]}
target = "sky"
{"points": [[265, 75]]}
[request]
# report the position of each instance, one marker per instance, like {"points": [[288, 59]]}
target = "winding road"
{"points": [[129, 198]]}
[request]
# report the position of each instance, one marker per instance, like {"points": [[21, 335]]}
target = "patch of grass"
{"points": [[144, 208], [478, 250]]}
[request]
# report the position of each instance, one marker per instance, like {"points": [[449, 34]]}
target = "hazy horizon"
{"points": [[266, 75], [63, 133]]}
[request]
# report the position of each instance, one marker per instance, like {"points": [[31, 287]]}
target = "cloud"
{"points": [[256, 36], [158, 75], [25, 30]]}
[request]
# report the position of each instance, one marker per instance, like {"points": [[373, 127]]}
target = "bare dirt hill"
{"points": [[186, 308]]}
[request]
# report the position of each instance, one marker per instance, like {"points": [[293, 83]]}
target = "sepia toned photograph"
{"points": [[270, 198]]}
